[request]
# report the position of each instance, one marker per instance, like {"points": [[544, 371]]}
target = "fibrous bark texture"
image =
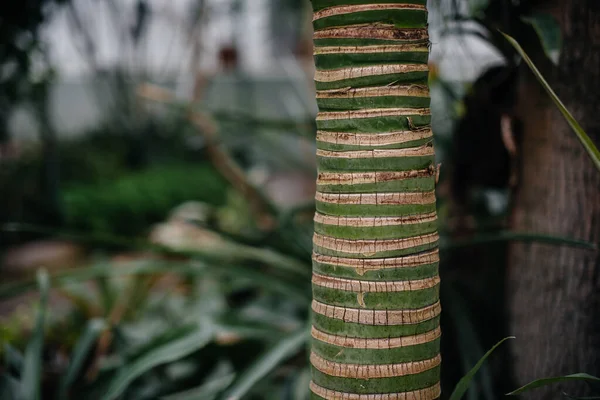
{"points": [[555, 291], [375, 263]]}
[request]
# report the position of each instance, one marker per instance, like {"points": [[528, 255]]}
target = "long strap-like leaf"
{"points": [[375, 263], [583, 137]]}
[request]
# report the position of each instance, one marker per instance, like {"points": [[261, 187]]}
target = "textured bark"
{"points": [[554, 296], [375, 263]]}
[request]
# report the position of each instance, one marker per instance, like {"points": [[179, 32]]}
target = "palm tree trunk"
{"points": [[375, 263]]}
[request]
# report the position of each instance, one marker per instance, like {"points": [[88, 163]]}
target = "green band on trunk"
{"points": [[378, 385], [378, 232], [373, 102], [376, 80], [374, 125], [384, 274], [377, 301], [378, 164], [321, 4], [388, 253], [406, 185], [374, 210], [339, 327], [376, 356], [397, 17], [334, 61]]}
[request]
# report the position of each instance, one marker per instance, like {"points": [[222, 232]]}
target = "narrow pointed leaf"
{"points": [[226, 253], [32, 365], [9, 387], [80, 352], [549, 381], [463, 385], [264, 365], [206, 391], [168, 352], [468, 342], [84, 274], [588, 144], [274, 284], [13, 359], [301, 386]]}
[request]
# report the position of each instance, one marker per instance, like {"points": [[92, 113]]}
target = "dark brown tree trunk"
{"points": [[554, 292]]}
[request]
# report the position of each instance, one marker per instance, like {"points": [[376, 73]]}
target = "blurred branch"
{"points": [[158, 94], [88, 48], [491, 35], [260, 205]]}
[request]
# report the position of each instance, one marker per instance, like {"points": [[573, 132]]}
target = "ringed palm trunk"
{"points": [[375, 264]]}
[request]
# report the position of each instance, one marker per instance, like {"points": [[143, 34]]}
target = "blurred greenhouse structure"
{"points": [[269, 38]]}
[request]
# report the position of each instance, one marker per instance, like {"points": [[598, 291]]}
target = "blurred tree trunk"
{"points": [[375, 263], [51, 206], [554, 291]]}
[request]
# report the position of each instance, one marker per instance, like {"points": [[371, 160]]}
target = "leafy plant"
{"points": [[26, 382]]}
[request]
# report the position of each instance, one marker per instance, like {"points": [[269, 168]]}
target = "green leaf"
{"points": [[477, 7], [13, 359], [206, 391], [589, 146], [301, 390], [84, 274], [292, 290], [106, 290], [463, 385], [227, 253], [9, 387], [80, 352], [548, 30], [505, 236], [548, 381], [32, 364], [469, 345], [166, 353], [266, 363]]}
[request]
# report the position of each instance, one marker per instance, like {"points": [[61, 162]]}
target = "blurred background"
{"points": [[157, 160]]}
